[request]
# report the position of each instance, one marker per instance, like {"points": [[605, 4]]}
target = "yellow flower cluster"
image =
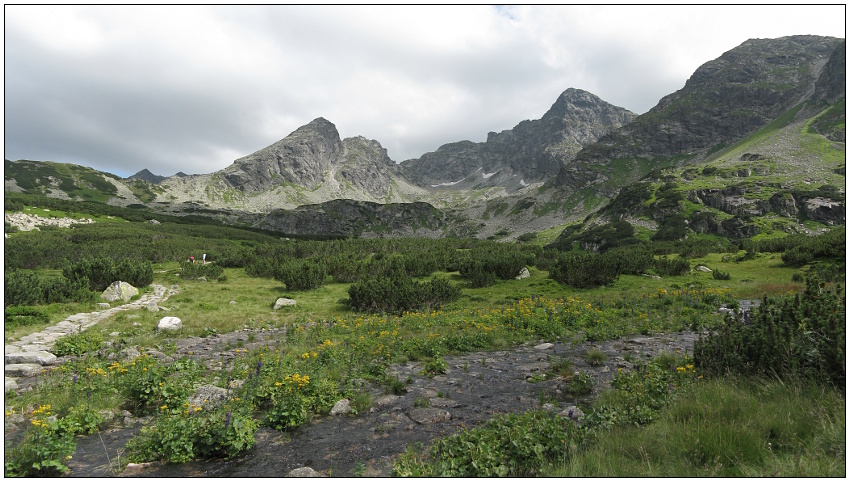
{"points": [[308, 354], [294, 381], [685, 369], [95, 371], [328, 343], [116, 366], [41, 410]]}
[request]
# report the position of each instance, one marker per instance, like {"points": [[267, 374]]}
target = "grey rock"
{"points": [[281, 302], [130, 353], [523, 273], [209, 395], [304, 472], [169, 323], [22, 369], [10, 384], [103, 305], [119, 291], [427, 415], [544, 346], [703, 269], [342, 407], [573, 413], [152, 307], [32, 357]]}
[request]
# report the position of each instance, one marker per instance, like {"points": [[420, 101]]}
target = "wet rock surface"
{"points": [[475, 388]]}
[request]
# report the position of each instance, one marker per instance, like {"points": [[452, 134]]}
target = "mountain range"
{"points": [[753, 144]]}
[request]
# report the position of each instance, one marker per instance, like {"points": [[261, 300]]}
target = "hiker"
{"points": [[205, 258], [192, 259]]}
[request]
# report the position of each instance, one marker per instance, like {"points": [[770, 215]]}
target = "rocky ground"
{"points": [[475, 388]]}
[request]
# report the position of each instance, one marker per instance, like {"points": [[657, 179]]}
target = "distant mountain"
{"points": [[532, 151], [725, 100], [148, 176], [753, 143]]}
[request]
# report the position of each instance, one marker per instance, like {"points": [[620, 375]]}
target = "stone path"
{"points": [[28, 356]]}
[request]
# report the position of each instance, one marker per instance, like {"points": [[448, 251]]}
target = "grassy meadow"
{"points": [[665, 418]]}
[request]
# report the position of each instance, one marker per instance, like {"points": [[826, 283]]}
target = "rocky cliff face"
{"points": [[725, 100], [344, 218], [532, 151], [301, 158]]}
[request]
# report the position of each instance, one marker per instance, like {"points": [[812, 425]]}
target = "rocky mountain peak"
{"points": [[532, 151], [146, 175]]}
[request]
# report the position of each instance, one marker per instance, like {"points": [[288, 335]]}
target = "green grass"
{"points": [[727, 428]]}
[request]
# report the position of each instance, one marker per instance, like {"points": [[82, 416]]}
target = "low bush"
{"points": [[26, 288], [209, 271], [401, 293], [78, 343], [799, 336], [511, 445], [301, 274], [102, 272]]}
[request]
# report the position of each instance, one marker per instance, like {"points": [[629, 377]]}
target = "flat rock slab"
{"points": [[23, 369], [11, 384], [424, 415], [35, 357]]}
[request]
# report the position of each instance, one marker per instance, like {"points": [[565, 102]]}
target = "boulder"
{"points": [[281, 302], [341, 407], [303, 472], [573, 413], [544, 346], [703, 269], [209, 395], [523, 273], [119, 291], [169, 323]]}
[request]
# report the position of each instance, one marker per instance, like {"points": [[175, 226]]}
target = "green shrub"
{"points": [[584, 270], [188, 433], [43, 451], [24, 315], [78, 343], [800, 335], [595, 357], [400, 293], [102, 272], [507, 446], [435, 366], [209, 271], [720, 275], [671, 267], [28, 288], [301, 275]]}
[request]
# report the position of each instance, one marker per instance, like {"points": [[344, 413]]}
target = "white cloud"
{"points": [[189, 88]]}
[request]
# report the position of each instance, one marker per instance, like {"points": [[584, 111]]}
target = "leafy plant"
{"points": [[78, 343], [595, 357], [435, 366]]}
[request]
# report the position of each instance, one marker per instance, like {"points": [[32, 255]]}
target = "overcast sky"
{"points": [[193, 88]]}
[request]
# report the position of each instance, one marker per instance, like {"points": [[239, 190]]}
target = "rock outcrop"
{"points": [[119, 291], [532, 151]]}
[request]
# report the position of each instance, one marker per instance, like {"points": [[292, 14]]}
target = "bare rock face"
{"points": [[301, 158], [532, 151]]}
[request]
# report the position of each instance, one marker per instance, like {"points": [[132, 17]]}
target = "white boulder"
{"points": [[169, 323]]}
